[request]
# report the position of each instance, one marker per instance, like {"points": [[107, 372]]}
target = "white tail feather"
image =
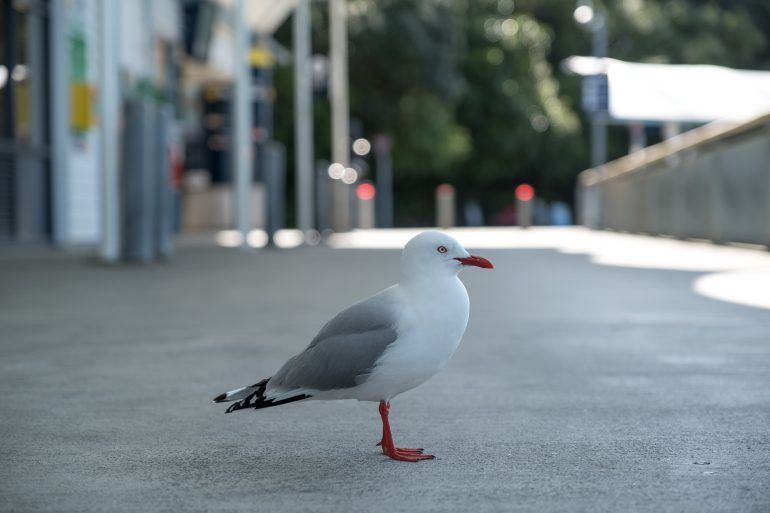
{"points": [[239, 393]]}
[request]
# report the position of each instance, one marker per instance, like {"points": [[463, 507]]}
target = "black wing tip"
{"points": [[255, 400], [262, 403]]}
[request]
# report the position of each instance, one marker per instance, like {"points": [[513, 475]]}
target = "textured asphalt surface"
{"points": [[578, 387]]}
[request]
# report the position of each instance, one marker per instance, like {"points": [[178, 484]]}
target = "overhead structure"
{"points": [[675, 92], [263, 16]]}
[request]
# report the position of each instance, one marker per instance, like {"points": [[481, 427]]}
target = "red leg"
{"points": [[402, 449], [389, 448], [387, 409]]}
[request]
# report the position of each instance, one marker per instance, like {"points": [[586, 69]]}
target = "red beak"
{"points": [[477, 261]]}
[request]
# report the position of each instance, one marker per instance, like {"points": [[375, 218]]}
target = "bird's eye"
{"points": [[441, 249]]}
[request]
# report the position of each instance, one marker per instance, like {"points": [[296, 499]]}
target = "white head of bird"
{"points": [[436, 254]]}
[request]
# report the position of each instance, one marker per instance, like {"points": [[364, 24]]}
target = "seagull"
{"points": [[381, 346]]}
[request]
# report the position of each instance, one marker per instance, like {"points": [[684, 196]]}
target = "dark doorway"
{"points": [[24, 175]]}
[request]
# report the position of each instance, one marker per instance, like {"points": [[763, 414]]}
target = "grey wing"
{"points": [[344, 351]]}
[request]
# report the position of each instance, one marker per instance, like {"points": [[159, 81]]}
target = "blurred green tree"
{"points": [[406, 80], [513, 107], [468, 93]]}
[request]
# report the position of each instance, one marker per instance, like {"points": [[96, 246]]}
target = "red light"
{"points": [[524, 192], [445, 190], [365, 191]]}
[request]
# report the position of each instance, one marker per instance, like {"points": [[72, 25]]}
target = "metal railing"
{"points": [[711, 183]]}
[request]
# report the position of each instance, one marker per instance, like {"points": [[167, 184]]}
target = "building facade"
{"points": [[52, 129]]}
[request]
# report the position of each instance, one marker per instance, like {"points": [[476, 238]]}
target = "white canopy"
{"points": [[262, 17], [683, 93], [265, 16]]}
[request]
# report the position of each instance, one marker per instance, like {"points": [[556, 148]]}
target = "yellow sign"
{"points": [[81, 106], [260, 57]]}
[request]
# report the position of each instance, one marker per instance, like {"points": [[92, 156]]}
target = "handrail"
{"points": [[689, 140]]}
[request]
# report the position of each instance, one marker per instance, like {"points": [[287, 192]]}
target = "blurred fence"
{"points": [[709, 183]]}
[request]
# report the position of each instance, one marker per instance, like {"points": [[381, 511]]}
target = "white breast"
{"points": [[431, 325]]}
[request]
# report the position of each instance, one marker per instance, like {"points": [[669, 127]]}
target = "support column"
{"points": [[338, 50], [599, 44], [303, 117], [109, 119], [241, 144], [60, 112]]}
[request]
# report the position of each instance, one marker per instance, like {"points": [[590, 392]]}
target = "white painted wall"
{"points": [[81, 194], [138, 44]]}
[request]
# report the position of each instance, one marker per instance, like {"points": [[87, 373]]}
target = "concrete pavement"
{"points": [[578, 387]]}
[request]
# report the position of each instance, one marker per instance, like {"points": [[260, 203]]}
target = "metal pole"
{"points": [[524, 213], [109, 116], [384, 163], [241, 147], [445, 206], [637, 137], [598, 140], [599, 33], [303, 116], [338, 56], [60, 113], [598, 120], [366, 205]]}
